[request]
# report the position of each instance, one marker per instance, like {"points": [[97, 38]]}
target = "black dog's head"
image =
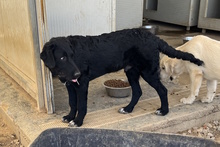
{"points": [[58, 57]]}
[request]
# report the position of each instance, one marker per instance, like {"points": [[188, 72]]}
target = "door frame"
{"points": [[44, 77]]}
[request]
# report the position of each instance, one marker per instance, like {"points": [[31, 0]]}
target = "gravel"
{"points": [[7, 137], [210, 130]]}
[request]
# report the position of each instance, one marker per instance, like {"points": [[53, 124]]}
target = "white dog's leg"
{"points": [[196, 81], [211, 90]]}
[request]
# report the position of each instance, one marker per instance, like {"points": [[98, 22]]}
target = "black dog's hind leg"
{"points": [[133, 78], [153, 80], [72, 103]]}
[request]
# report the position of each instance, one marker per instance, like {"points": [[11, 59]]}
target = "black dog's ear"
{"points": [[47, 56]]}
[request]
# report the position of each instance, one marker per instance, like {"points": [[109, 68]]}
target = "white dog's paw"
{"points": [[206, 100], [186, 100]]}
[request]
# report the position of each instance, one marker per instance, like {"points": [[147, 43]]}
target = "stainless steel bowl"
{"points": [[151, 28], [118, 92], [186, 39]]}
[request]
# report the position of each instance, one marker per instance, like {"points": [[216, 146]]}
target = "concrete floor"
{"points": [[19, 110]]}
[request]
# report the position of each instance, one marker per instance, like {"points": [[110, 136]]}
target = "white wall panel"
{"points": [[129, 13], [92, 17], [74, 17]]}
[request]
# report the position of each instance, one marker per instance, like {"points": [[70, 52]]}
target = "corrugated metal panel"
{"points": [[73, 17], [92, 17], [129, 13]]}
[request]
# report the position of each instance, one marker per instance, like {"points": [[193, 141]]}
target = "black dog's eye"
{"points": [[63, 58]]}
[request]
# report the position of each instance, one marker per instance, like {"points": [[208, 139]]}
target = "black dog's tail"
{"points": [[173, 53]]}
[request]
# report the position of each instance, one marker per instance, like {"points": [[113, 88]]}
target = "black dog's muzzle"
{"points": [[77, 74]]}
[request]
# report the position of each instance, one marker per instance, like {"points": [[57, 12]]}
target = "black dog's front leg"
{"points": [[82, 92], [72, 102]]}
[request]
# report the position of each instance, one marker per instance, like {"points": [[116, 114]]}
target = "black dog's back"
{"points": [[135, 38], [113, 51]]}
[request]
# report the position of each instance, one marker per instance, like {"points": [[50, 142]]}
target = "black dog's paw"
{"points": [[75, 123], [125, 110], [161, 112], [122, 111], [67, 118], [72, 124]]}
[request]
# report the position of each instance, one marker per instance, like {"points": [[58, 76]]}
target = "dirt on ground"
{"points": [[209, 130], [7, 136]]}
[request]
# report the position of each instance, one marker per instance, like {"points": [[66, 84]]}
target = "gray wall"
{"points": [[213, 9]]}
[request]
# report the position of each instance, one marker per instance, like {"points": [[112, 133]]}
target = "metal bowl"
{"points": [[186, 39], [118, 92], [151, 28]]}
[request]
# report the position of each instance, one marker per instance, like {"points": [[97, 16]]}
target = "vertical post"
{"points": [[46, 75], [37, 63]]}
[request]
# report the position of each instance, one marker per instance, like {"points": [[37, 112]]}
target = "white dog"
{"points": [[205, 49]]}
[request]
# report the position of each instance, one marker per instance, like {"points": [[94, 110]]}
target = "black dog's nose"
{"points": [[77, 74], [171, 78]]}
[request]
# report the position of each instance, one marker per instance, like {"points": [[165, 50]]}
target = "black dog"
{"points": [[78, 59]]}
